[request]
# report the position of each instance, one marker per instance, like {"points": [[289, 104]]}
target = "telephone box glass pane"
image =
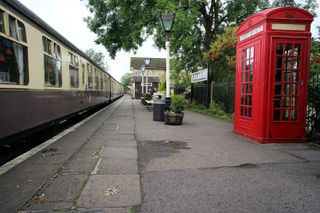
{"points": [[286, 78]]}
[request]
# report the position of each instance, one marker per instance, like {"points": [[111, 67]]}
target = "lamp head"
{"points": [[167, 19]]}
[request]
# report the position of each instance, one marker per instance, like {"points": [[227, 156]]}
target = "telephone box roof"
{"points": [[276, 13]]}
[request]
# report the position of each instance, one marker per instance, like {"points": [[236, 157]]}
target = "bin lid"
{"points": [[159, 96]]}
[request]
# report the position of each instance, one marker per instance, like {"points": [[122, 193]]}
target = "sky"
{"points": [[66, 17]]}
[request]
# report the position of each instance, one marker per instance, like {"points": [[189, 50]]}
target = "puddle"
{"points": [[148, 150]]}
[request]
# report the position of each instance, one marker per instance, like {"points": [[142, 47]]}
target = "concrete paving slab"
{"points": [[122, 153], [94, 193], [64, 188], [118, 166], [106, 210], [129, 137], [49, 157], [49, 207], [93, 145], [80, 165], [88, 153], [120, 144]]}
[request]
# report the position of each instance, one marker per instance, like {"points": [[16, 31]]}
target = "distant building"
{"points": [[156, 72]]}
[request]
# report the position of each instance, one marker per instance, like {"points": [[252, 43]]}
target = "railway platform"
{"points": [[120, 160]]}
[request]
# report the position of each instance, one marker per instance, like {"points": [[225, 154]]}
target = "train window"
{"points": [[96, 80], [74, 76], [101, 81], [57, 51], [53, 72], [2, 28], [46, 43], [13, 63], [76, 60], [70, 56], [21, 32], [83, 70], [13, 27], [90, 80]]}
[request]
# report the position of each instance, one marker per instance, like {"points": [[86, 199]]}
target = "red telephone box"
{"points": [[272, 75]]}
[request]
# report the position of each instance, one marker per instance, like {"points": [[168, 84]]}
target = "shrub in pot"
{"points": [[175, 115]]}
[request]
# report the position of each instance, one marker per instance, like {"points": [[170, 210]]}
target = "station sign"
{"points": [[144, 84], [199, 76]]}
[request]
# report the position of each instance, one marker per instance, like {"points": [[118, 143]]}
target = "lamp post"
{"points": [[143, 67], [146, 63], [167, 19]]}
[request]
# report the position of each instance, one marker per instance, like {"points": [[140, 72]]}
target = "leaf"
{"points": [[111, 191]]}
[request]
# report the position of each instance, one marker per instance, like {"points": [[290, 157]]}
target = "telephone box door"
{"points": [[246, 97], [288, 88]]}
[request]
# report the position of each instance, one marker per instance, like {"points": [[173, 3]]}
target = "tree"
{"points": [[97, 57], [181, 78], [222, 56], [124, 24], [309, 5], [126, 79]]}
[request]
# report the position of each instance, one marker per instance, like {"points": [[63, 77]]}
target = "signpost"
{"points": [[199, 76]]}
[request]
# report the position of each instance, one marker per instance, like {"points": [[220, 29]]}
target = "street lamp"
{"points": [[143, 67], [167, 19], [146, 63]]}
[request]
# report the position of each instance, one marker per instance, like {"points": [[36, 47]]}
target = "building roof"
{"points": [[155, 63]]}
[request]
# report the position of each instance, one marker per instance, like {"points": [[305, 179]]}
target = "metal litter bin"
{"points": [[159, 106]]}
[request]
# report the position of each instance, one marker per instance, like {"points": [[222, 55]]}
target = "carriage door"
{"points": [[288, 74]]}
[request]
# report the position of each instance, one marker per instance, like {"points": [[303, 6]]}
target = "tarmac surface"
{"points": [[121, 160]]}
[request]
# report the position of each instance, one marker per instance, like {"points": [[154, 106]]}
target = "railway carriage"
{"points": [[44, 78]]}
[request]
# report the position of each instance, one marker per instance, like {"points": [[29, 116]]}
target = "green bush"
{"points": [[178, 103], [214, 110]]}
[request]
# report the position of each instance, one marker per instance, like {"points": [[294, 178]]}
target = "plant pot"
{"points": [[173, 118]]}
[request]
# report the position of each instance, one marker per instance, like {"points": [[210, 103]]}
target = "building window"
{"points": [[247, 68], [2, 26], [13, 63], [53, 72]]}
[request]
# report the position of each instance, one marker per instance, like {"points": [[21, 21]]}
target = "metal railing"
{"points": [[313, 110]]}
